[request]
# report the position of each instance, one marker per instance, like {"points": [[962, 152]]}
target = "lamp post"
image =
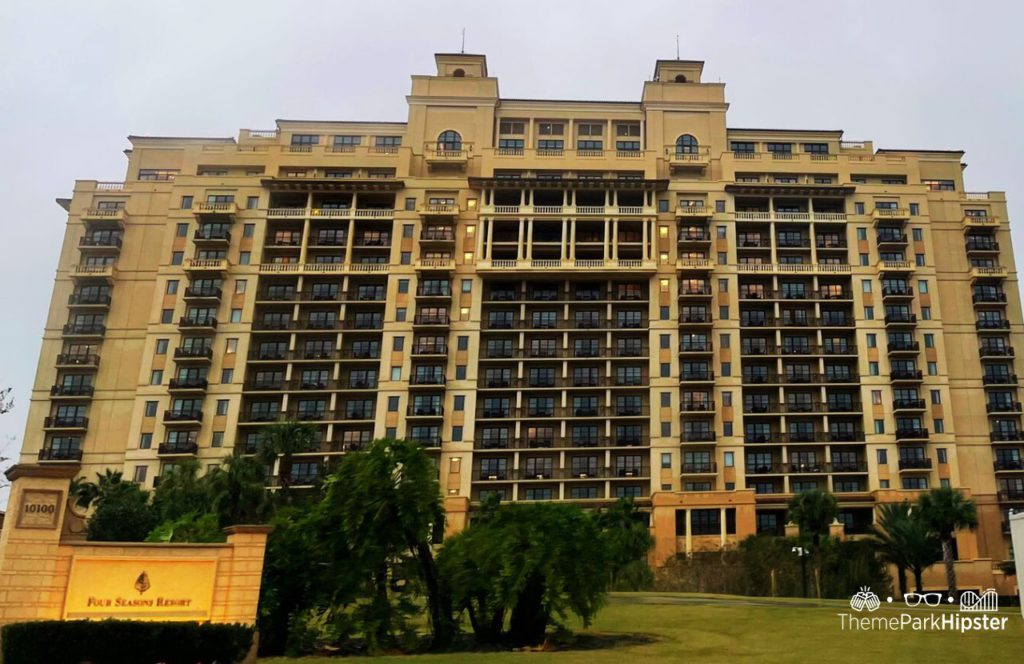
{"points": [[802, 553]]}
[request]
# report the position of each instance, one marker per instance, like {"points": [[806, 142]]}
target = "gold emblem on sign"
{"points": [[142, 583]]}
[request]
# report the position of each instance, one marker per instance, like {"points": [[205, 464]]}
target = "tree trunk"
{"points": [[438, 601], [901, 576], [284, 476], [529, 619], [947, 558], [919, 579]]}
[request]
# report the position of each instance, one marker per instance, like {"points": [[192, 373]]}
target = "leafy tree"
{"points": [[188, 528], [945, 510], [281, 442], [86, 493], [813, 511], [628, 538], [181, 491], [123, 514], [389, 504], [903, 539], [530, 563], [237, 491]]}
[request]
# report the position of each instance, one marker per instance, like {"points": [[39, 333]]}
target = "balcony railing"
{"points": [[915, 464], [60, 454], [178, 448]]}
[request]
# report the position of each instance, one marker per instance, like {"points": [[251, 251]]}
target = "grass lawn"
{"points": [[665, 627]]}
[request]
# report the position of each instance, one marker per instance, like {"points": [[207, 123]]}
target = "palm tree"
{"points": [[281, 441], [238, 491], [813, 511], [86, 493], [903, 539], [944, 511]]}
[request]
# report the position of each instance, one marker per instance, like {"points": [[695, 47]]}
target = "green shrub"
{"points": [[124, 642]]}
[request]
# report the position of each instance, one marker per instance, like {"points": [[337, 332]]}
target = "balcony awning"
{"points": [[333, 184], [603, 184], [778, 189]]}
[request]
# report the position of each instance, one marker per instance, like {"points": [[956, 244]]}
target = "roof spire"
{"points": [[463, 49], [677, 47]]}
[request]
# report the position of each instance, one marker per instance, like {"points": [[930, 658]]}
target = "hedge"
{"points": [[124, 642]]}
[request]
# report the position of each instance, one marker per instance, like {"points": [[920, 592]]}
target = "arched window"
{"points": [[459, 73], [686, 144], [680, 78], [449, 140]]}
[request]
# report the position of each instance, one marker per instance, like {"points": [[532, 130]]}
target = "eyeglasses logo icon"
{"points": [[929, 599]]}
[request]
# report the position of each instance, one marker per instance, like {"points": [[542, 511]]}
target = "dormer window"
{"points": [[459, 73], [680, 78]]}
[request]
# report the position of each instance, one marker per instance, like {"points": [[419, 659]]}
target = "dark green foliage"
{"points": [[189, 528], [350, 570], [627, 535], [280, 442], [530, 565], [750, 568], [902, 538], [945, 510], [813, 511], [124, 642], [123, 514]]}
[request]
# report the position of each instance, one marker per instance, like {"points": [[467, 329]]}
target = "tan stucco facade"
{"points": [[564, 300]]}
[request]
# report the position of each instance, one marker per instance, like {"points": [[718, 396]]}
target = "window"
{"points": [[240, 286], [922, 286], [393, 404], [866, 285], [940, 427], [864, 260], [873, 368], [929, 340], [876, 397], [462, 343], [252, 202], [151, 409], [687, 144], [933, 369], [161, 346], [248, 230], [398, 343], [236, 315], [869, 313], [145, 441], [403, 285], [459, 402], [227, 375], [882, 456], [156, 377], [449, 141], [172, 286], [222, 406], [460, 372], [186, 202], [879, 426], [872, 340], [177, 257]]}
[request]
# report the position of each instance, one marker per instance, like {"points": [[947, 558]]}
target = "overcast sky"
{"points": [[77, 77]]}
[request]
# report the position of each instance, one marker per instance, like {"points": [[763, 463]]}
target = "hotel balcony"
{"points": [[1008, 465], [698, 437], [684, 160], [187, 355], [895, 267], [323, 268], [78, 360], [897, 319], [86, 273], [999, 379], [981, 245], [437, 235], [341, 213], [187, 385], [972, 221], [566, 265], [82, 300], [440, 264], [1011, 495], [438, 211], [915, 464], [84, 330], [897, 348], [206, 265], [897, 239], [890, 214], [908, 404], [183, 416], [897, 293], [1006, 436], [58, 422], [994, 272], [694, 210], [117, 215], [990, 351], [198, 323], [60, 454], [699, 406], [99, 244], [911, 434], [224, 210], [698, 468], [988, 298], [179, 449], [72, 391], [193, 293], [900, 375], [211, 237], [999, 324], [1003, 407], [440, 155], [772, 215]]}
